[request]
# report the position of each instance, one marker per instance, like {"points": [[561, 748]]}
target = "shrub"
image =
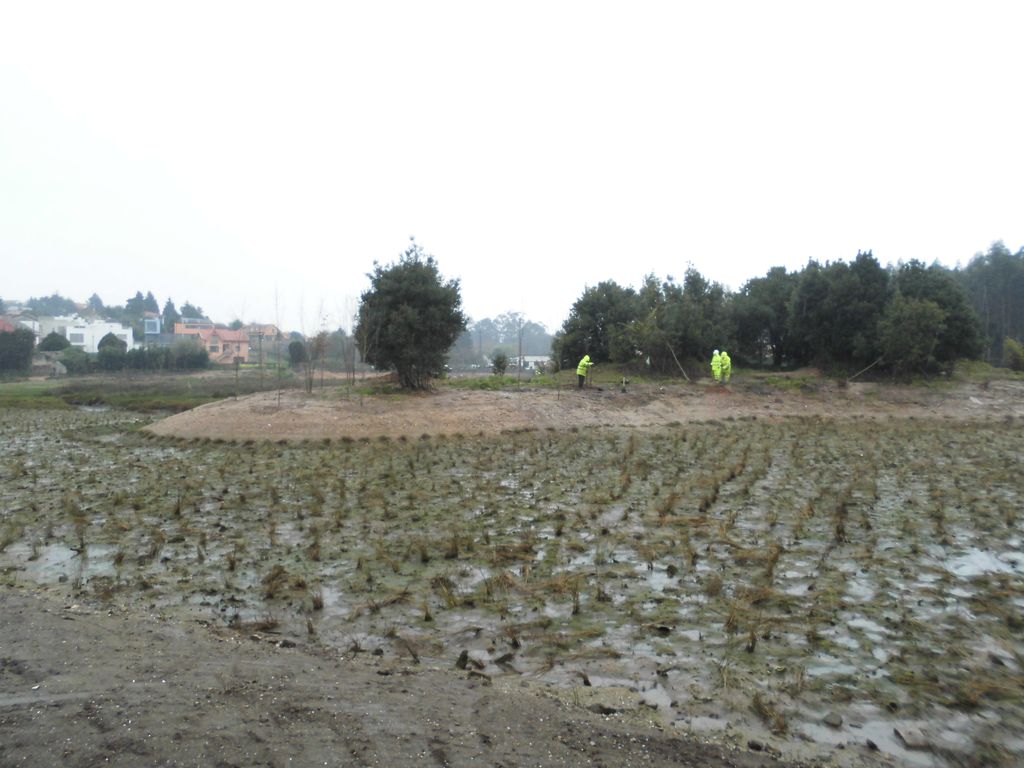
{"points": [[53, 342], [76, 361], [297, 353], [16, 349], [1013, 354], [189, 355], [499, 363], [111, 358]]}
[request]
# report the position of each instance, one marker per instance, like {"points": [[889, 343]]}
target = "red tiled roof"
{"points": [[237, 337]]}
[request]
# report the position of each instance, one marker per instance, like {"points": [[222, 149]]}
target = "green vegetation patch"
{"points": [[138, 392]]}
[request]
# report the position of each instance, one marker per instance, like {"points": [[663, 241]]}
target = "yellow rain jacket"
{"points": [[716, 366], [583, 368]]}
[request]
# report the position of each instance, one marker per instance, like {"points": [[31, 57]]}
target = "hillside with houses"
{"points": [[55, 335], [59, 331]]}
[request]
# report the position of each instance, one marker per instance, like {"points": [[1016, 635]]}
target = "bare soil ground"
{"points": [[87, 687], [334, 414]]}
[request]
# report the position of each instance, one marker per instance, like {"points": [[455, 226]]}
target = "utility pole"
{"points": [[519, 368], [259, 337]]}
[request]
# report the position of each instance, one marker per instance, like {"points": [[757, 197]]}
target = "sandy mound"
{"points": [[336, 413]]}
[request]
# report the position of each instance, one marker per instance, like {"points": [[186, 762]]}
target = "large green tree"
{"points": [[959, 333], [596, 324], [834, 312], [409, 318], [135, 309], [761, 311], [191, 311], [170, 316], [135, 306]]}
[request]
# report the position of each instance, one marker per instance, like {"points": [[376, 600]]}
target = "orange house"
{"points": [[225, 346], [192, 329]]}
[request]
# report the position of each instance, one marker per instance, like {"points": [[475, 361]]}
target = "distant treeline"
{"points": [[508, 333], [908, 318], [130, 313]]}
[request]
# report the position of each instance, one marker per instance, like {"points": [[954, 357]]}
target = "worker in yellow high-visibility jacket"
{"points": [[583, 370], [716, 366], [726, 366]]}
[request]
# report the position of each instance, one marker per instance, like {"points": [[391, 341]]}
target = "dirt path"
{"points": [[334, 414], [85, 687]]}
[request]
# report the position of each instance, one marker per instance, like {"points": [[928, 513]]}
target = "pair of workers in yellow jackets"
{"points": [[721, 366]]}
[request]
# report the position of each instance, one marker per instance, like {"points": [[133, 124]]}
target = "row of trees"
{"points": [[114, 355], [907, 318], [186, 355]]}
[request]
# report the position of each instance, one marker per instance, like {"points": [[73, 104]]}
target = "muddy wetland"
{"points": [[844, 590]]}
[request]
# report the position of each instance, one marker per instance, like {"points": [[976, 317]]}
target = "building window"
{"points": [[77, 338]]}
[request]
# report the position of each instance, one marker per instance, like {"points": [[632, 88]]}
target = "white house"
{"points": [[84, 334], [529, 362]]}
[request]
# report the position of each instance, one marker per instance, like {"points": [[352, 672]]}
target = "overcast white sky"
{"points": [[256, 158]]}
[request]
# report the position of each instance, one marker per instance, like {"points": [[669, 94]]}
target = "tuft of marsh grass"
{"points": [[316, 598], [275, 581], [9, 534], [769, 714], [446, 589]]}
